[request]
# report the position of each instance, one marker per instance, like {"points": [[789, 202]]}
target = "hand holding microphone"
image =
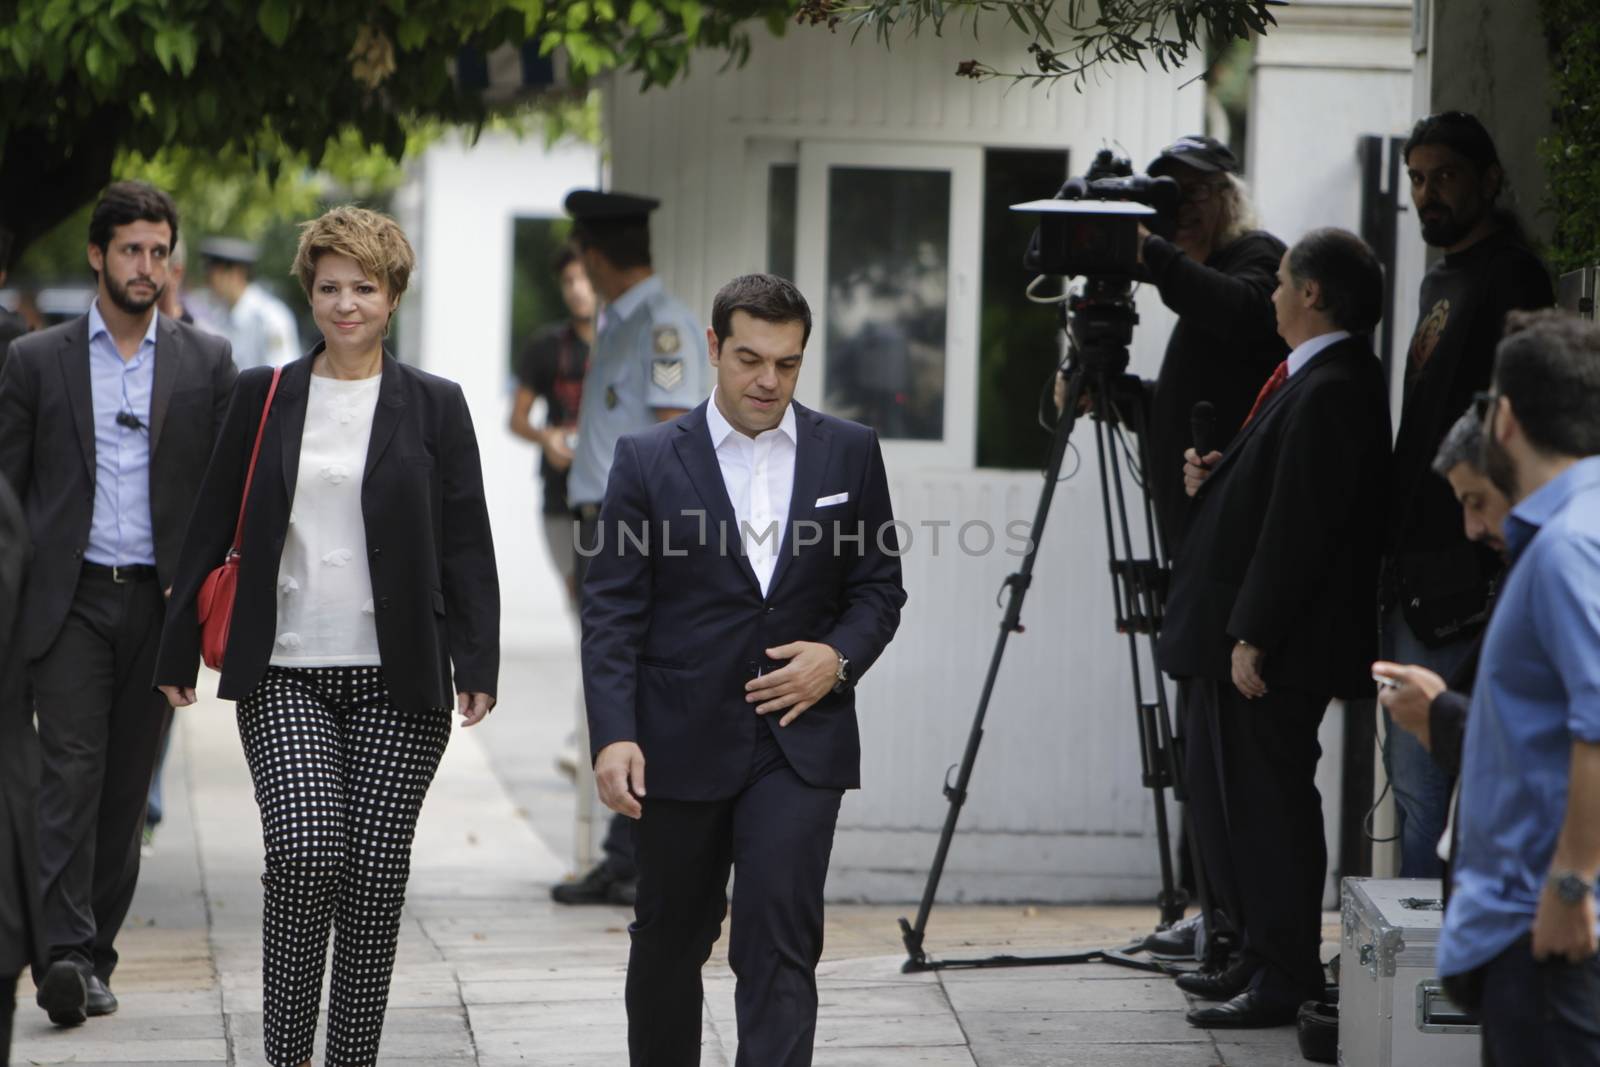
{"points": [[1198, 461]]}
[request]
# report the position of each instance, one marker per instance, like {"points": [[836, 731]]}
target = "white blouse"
{"points": [[325, 612]]}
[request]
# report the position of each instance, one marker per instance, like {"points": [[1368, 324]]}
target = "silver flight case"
{"points": [[1392, 1009]]}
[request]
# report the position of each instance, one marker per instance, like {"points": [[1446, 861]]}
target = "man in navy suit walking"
{"points": [[747, 576]]}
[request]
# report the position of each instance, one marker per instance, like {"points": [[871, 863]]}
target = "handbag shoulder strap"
{"points": [[255, 453]]}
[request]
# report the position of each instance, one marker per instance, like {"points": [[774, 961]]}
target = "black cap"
{"points": [[590, 206], [1457, 130], [1197, 152], [229, 250]]}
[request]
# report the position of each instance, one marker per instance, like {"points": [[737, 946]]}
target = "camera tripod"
{"points": [[1099, 324]]}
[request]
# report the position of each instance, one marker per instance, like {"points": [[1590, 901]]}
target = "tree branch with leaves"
{"points": [[1069, 39], [83, 81]]}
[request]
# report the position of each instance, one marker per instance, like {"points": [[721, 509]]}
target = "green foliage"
{"points": [[1070, 38], [1572, 151], [275, 80]]}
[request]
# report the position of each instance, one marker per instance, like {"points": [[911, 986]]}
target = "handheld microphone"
{"points": [[1203, 424], [130, 420]]}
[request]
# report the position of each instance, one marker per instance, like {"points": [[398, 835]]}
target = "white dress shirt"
{"points": [[759, 475], [325, 613], [1308, 350]]}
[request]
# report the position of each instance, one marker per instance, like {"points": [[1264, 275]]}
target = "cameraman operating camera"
{"points": [[1217, 273]]}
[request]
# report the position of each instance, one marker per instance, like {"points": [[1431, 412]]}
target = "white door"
{"points": [[886, 251]]}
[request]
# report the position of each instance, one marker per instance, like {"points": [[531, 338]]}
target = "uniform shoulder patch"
{"points": [[666, 373], [666, 340]]}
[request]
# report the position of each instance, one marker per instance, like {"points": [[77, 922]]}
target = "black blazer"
{"points": [[47, 451], [429, 547], [672, 632], [1283, 547]]}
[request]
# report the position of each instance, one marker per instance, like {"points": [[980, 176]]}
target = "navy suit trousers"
{"points": [[777, 834]]}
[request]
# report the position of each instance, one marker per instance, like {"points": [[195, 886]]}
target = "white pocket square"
{"points": [[829, 501]]}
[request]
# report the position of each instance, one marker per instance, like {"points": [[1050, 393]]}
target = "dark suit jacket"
{"points": [[47, 451], [672, 633], [429, 548], [1283, 547], [21, 931]]}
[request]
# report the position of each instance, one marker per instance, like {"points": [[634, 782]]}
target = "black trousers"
{"points": [[618, 844], [1208, 814], [1267, 750], [100, 729], [1533, 1011], [777, 835], [339, 775]]}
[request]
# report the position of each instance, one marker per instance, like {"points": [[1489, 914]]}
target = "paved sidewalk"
{"points": [[491, 973]]}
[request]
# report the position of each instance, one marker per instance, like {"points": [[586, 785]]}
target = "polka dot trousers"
{"points": [[339, 775]]}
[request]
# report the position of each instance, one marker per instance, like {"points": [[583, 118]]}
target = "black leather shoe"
{"points": [[1221, 985], [1247, 1011], [1176, 942], [100, 999], [63, 994], [599, 886]]}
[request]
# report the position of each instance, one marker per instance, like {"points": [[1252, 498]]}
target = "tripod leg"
{"points": [[1131, 586], [912, 934]]}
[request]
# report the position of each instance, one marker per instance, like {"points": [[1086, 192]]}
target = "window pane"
{"points": [[1017, 345], [783, 195], [888, 272]]}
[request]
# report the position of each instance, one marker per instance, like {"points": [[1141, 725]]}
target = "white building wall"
{"points": [[1057, 811], [459, 209]]}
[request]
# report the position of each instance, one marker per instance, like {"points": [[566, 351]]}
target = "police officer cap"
{"points": [[229, 250], [587, 205], [1205, 154]]}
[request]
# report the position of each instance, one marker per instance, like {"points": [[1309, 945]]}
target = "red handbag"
{"points": [[215, 603]]}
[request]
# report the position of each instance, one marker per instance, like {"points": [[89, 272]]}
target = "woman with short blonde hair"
{"points": [[366, 579]]}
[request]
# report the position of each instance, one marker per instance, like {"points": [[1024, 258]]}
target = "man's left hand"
{"points": [[810, 674], [1247, 671], [1562, 930], [473, 707]]}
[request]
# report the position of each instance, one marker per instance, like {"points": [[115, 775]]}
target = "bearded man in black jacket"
{"points": [[1436, 583]]}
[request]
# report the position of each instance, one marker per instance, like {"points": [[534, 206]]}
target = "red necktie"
{"points": [[1280, 374]]}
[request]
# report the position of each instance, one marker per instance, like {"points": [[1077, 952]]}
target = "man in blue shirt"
{"points": [[106, 425], [1519, 940]]}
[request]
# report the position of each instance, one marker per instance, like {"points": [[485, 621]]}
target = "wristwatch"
{"points": [[1570, 886], [841, 677]]}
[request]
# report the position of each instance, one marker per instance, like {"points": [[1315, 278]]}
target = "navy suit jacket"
{"points": [[675, 624], [1282, 549]]}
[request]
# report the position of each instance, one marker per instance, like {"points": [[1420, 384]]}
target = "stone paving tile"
{"points": [[78, 1049], [922, 1056], [1013, 1054], [888, 1031], [1068, 1029], [1256, 1055], [580, 1015], [1065, 994]]}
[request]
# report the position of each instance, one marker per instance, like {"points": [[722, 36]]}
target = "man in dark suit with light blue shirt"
{"points": [[106, 425], [747, 576]]}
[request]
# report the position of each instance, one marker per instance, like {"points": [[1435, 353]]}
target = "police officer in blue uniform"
{"points": [[648, 365]]}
